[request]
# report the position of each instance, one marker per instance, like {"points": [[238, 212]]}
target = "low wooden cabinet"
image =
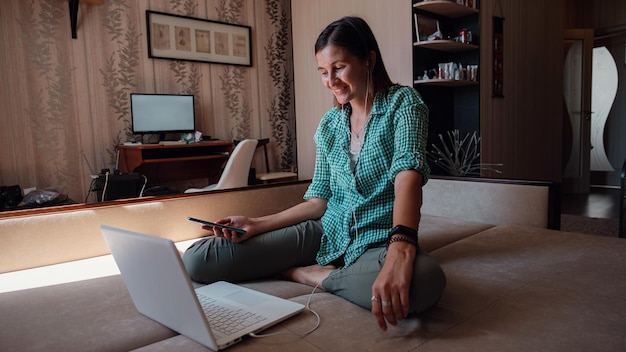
{"points": [[174, 162]]}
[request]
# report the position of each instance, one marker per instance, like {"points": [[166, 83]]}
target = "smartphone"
{"points": [[212, 224]]}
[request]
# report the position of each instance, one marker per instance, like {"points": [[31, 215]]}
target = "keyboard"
{"points": [[226, 320]]}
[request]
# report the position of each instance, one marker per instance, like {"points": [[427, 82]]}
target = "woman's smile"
{"points": [[339, 90]]}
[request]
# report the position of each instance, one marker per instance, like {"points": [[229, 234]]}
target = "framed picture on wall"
{"points": [[177, 37], [426, 28]]}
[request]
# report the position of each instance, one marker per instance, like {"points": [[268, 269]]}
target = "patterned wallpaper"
{"points": [[65, 102]]}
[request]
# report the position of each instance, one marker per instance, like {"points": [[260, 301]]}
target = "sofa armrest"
{"points": [[61, 236], [494, 201]]}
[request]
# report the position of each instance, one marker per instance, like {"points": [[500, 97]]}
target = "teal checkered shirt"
{"points": [[360, 203]]}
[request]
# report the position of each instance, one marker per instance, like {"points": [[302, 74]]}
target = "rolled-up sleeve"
{"points": [[320, 185], [411, 136]]}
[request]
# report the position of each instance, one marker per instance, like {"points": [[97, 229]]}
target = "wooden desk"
{"points": [[174, 162]]}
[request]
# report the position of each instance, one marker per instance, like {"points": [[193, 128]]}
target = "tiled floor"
{"points": [[599, 203]]}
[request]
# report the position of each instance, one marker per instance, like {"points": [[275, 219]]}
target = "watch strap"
{"points": [[404, 230]]}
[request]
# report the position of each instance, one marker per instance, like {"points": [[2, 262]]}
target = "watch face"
{"points": [[404, 230]]}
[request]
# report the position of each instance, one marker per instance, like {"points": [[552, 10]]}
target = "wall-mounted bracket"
{"points": [[74, 12], [74, 16]]}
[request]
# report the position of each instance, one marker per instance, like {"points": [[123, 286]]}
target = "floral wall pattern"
{"points": [[119, 74], [277, 56], [66, 104]]}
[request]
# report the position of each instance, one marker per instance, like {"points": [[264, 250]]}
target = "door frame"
{"points": [[581, 183]]}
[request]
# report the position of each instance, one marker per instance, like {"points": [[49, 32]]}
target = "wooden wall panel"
{"points": [[522, 130], [608, 14]]}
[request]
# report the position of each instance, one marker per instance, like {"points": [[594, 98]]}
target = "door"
{"points": [[577, 122]]}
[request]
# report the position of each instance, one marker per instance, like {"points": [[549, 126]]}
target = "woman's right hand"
{"points": [[240, 222], [313, 208]]}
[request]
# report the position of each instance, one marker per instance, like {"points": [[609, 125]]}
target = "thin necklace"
{"points": [[358, 134]]}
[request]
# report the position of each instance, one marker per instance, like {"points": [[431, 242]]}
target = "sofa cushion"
{"points": [[344, 327], [436, 231], [514, 288], [88, 315], [510, 288]]}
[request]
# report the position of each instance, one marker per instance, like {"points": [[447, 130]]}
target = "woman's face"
{"points": [[343, 73]]}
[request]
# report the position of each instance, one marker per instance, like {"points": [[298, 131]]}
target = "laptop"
{"points": [[161, 289]]}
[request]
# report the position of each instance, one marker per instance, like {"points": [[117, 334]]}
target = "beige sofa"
{"points": [[513, 284]]}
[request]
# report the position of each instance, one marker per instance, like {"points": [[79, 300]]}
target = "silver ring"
{"points": [[374, 299], [385, 303]]}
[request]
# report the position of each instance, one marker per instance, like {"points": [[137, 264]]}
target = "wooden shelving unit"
{"points": [[446, 45], [445, 82], [445, 8], [452, 104]]}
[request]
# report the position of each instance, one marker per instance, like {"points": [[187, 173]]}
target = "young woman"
{"points": [[356, 232]]}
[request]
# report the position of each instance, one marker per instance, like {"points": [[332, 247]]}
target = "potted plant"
{"points": [[459, 156]]}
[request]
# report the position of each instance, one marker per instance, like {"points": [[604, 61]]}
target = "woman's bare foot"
{"points": [[309, 275]]}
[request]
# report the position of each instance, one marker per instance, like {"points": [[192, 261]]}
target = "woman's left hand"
{"points": [[390, 292]]}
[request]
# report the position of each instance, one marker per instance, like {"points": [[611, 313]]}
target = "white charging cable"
{"points": [[143, 188], [106, 184], [307, 307]]}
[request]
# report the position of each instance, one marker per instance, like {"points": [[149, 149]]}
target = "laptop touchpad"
{"points": [[246, 298]]}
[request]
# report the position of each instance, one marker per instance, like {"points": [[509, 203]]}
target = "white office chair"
{"points": [[235, 173], [267, 176]]}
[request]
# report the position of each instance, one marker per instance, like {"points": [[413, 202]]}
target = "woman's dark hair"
{"points": [[356, 36]]}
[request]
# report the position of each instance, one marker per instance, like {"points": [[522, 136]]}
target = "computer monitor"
{"points": [[162, 113]]}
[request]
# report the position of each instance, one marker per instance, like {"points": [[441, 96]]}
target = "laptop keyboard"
{"points": [[227, 320]]}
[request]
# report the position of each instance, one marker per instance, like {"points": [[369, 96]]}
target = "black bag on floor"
{"points": [[10, 196]]}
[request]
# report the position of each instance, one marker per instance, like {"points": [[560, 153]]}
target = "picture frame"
{"points": [[426, 28], [178, 37]]}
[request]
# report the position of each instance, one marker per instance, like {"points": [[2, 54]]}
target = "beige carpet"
{"points": [[590, 226]]}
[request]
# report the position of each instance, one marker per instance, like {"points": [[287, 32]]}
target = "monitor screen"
{"points": [[162, 113]]}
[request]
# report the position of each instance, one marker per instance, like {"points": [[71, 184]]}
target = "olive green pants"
{"points": [[267, 255]]}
